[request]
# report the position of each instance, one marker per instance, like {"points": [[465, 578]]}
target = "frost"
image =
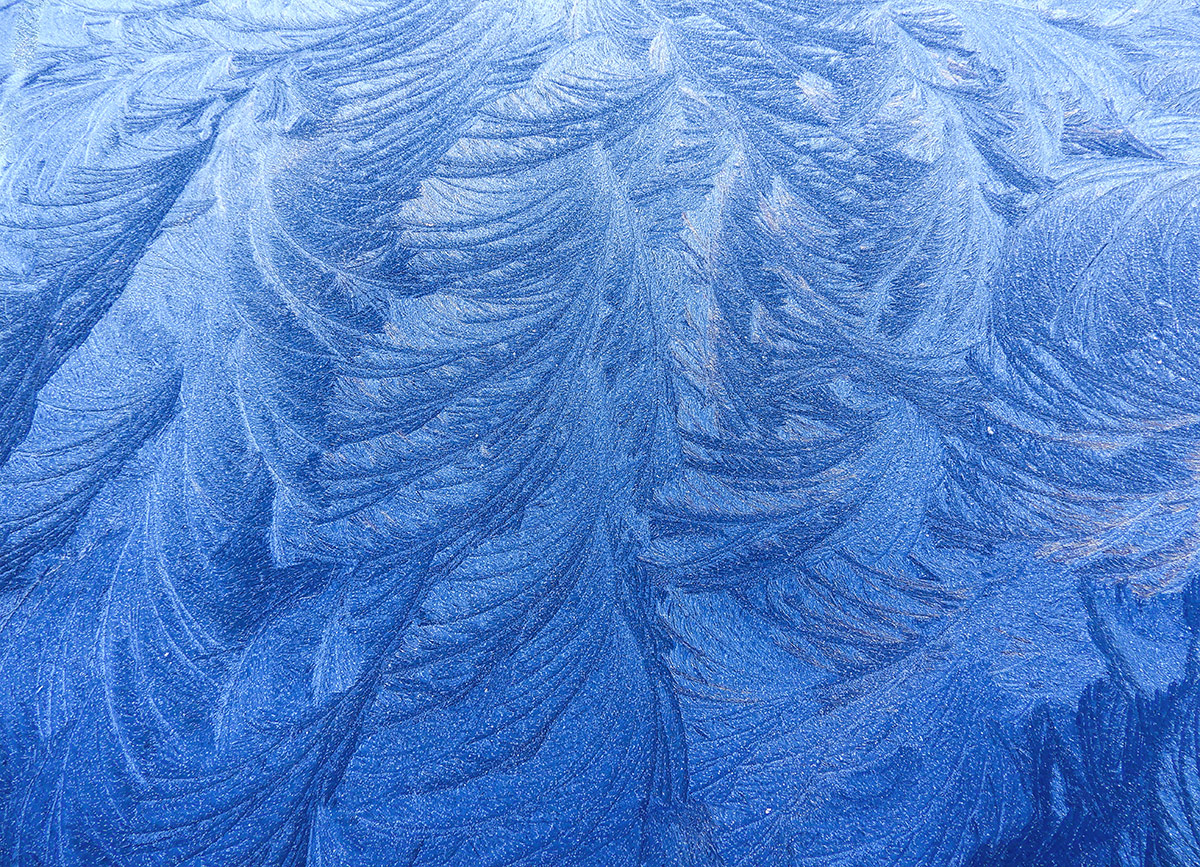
{"points": [[454, 432]]}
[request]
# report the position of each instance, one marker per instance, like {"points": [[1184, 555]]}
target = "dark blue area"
{"points": [[608, 432]]}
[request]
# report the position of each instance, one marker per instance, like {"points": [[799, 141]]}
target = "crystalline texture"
{"points": [[617, 432]]}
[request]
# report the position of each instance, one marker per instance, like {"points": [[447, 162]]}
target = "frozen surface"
{"points": [[612, 432]]}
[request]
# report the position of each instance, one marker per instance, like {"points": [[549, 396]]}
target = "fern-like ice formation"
{"points": [[607, 432]]}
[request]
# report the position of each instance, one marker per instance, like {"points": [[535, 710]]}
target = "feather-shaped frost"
{"points": [[462, 432]]}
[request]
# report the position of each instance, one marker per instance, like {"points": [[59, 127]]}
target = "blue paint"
{"points": [[625, 432]]}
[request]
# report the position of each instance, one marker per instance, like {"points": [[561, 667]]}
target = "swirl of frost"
{"points": [[479, 432]]}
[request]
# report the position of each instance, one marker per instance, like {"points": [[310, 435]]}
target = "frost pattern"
{"points": [[607, 432]]}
